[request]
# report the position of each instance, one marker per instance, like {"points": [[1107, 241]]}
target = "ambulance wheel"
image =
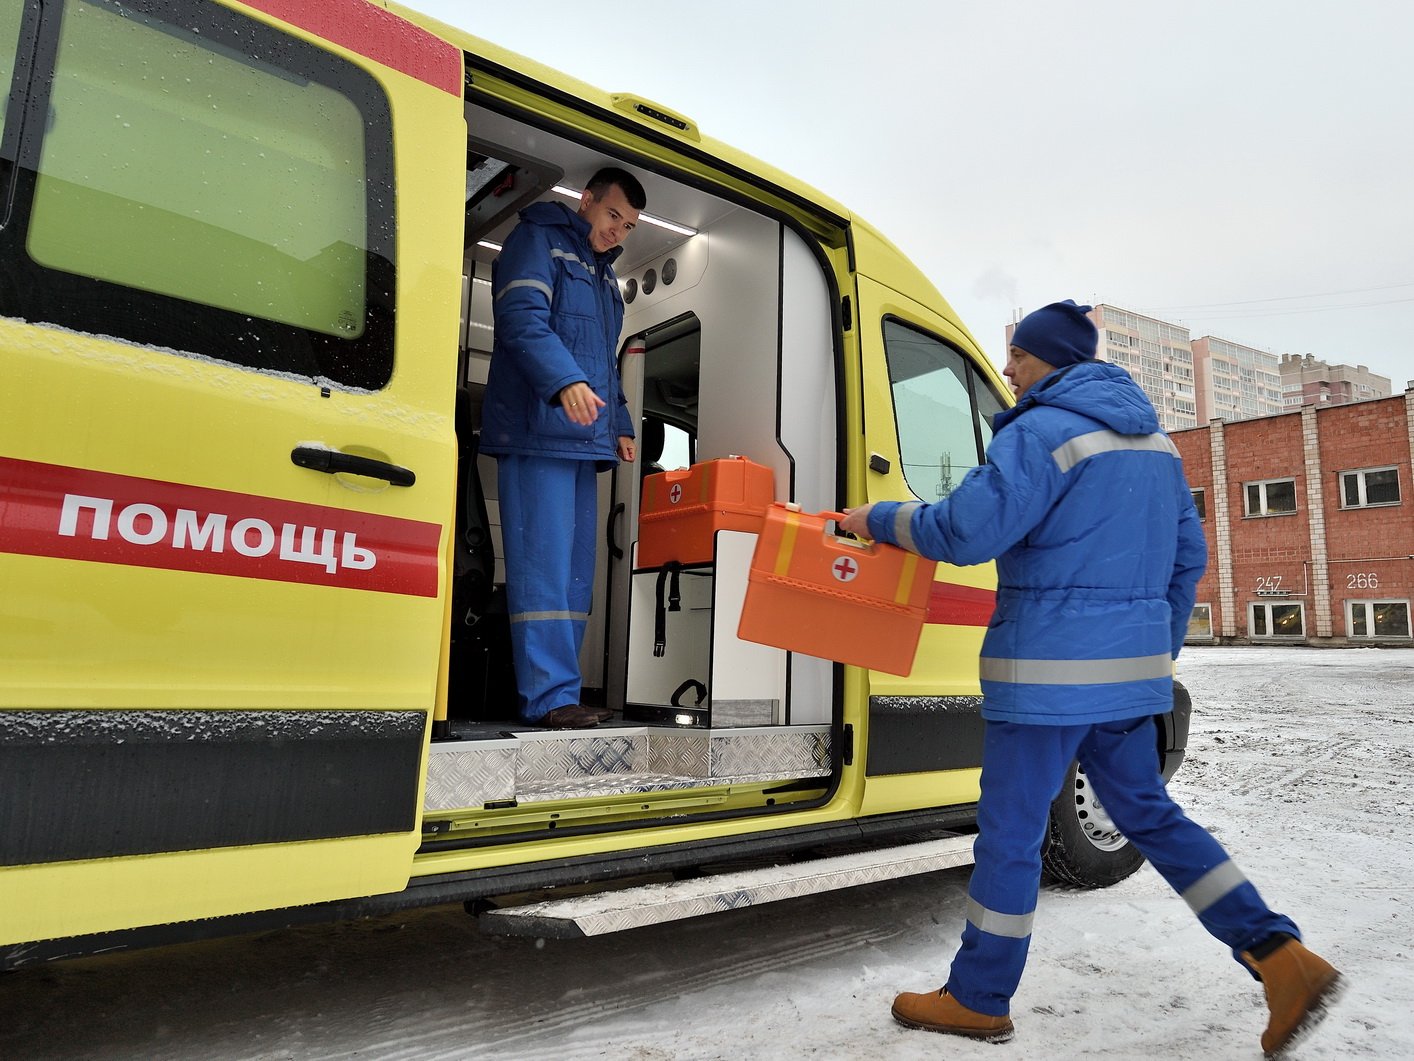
{"points": [[1083, 848]]}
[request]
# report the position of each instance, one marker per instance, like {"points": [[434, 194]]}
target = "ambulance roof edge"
{"points": [[375, 33]]}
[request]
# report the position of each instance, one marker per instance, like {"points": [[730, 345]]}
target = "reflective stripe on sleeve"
{"points": [[1013, 926], [1212, 886], [538, 285], [903, 531], [1075, 671], [533, 617], [1071, 453]]}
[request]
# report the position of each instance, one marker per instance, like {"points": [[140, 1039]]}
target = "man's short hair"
{"points": [[607, 177]]}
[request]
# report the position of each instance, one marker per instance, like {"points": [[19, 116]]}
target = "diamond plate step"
{"points": [[539, 765], [600, 913]]}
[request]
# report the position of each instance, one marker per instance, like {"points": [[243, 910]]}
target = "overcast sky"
{"points": [[1241, 167]]}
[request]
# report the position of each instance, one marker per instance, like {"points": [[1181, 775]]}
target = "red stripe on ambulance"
{"points": [[76, 514], [378, 34], [952, 605]]}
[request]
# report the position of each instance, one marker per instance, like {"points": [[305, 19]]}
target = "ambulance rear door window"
{"points": [[202, 182], [11, 16]]}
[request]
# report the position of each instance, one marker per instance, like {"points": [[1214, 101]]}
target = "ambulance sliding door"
{"points": [[226, 456]]}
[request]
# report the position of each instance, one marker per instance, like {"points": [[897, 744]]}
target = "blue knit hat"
{"points": [[1059, 334]]}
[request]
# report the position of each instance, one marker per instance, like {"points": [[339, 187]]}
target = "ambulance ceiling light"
{"points": [[647, 219]]}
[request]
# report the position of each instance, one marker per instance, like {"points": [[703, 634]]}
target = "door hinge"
{"points": [[847, 746], [846, 313]]}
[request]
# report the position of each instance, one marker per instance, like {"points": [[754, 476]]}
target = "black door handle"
{"points": [[332, 461], [614, 550]]}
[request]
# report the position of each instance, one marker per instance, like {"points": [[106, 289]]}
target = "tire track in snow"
{"points": [[1305, 766], [430, 1041]]}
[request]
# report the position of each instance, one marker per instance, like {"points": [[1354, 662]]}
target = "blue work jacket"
{"points": [[1084, 506], [558, 314]]}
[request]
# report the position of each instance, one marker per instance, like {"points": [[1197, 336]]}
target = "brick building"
{"points": [[1310, 523]]}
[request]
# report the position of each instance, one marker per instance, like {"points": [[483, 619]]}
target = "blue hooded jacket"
{"points": [[1084, 506], [558, 314]]}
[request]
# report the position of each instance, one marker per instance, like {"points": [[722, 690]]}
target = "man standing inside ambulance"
{"points": [[1084, 506], [554, 416]]}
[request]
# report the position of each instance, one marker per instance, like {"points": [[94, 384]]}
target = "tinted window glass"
{"points": [[943, 409], [202, 182], [244, 187], [1382, 487], [1281, 496], [11, 15]]}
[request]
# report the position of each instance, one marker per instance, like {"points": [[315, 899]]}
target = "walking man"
{"points": [[1084, 506], [554, 416]]}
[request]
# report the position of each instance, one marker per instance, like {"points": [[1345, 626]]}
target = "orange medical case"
{"points": [[681, 510], [814, 592]]}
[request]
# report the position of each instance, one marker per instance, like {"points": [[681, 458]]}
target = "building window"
{"points": [[1200, 502], [1274, 497], [1200, 623], [1276, 621], [1370, 619], [1368, 487]]}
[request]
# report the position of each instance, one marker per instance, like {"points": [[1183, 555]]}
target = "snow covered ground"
{"points": [[1300, 761]]}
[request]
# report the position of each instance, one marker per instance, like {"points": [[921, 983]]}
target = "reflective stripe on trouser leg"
{"points": [[1022, 770], [1121, 763], [548, 522]]}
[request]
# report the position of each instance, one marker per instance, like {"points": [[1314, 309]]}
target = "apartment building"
{"points": [[1235, 382], [1307, 380]]}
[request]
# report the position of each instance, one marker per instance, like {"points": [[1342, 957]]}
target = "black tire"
{"points": [[1083, 848]]}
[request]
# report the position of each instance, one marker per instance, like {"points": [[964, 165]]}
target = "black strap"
{"points": [[660, 614]]}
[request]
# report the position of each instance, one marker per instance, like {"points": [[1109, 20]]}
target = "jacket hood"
{"points": [[558, 215], [1096, 389]]}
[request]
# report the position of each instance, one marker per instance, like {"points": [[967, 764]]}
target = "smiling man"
{"points": [[554, 416], [1084, 506]]}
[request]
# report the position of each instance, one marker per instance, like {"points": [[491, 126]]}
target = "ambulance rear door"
{"points": [[229, 301]]}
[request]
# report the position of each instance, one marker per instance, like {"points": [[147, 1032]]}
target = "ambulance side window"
{"points": [[191, 179], [942, 406], [11, 15]]}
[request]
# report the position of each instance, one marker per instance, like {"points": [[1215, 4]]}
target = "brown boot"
{"points": [[1300, 987], [573, 716], [938, 1011]]}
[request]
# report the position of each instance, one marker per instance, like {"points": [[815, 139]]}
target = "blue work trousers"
{"points": [[1023, 768], [548, 521]]}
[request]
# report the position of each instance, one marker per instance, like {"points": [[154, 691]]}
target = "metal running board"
{"points": [[600, 913]]}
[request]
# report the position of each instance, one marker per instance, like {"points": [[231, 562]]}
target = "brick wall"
{"points": [[1369, 548], [1323, 555]]}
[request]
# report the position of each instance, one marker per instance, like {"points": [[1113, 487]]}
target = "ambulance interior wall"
{"points": [[764, 311], [765, 314]]}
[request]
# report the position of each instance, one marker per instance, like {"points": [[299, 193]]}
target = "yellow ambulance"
{"points": [[252, 653]]}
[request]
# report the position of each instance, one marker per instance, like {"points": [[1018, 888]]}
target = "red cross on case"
{"points": [[845, 569]]}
